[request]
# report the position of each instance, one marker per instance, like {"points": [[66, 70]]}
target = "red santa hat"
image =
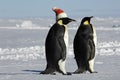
{"points": [[59, 13]]}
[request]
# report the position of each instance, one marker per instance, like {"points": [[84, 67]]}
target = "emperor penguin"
{"points": [[85, 46], [55, 47]]}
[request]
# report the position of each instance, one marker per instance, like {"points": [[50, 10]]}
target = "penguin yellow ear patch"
{"points": [[86, 22], [60, 22]]}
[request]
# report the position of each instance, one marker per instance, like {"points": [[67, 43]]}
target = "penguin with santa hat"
{"points": [[56, 44]]}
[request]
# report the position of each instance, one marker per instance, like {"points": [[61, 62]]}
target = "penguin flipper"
{"points": [[91, 58], [63, 47]]}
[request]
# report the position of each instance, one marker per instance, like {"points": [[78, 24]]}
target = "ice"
{"points": [[27, 24]]}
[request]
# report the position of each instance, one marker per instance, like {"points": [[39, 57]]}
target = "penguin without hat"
{"points": [[84, 46]]}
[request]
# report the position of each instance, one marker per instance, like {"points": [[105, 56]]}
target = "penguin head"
{"points": [[64, 21], [86, 20]]}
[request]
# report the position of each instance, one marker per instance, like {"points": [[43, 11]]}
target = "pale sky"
{"points": [[74, 8]]}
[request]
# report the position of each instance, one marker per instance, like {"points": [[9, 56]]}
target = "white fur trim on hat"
{"points": [[62, 15]]}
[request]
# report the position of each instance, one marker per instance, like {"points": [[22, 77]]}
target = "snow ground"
{"points": [[108, 68], [22, 52]]}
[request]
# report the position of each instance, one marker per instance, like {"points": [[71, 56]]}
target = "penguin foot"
{"points": [[94, 72], [68, 73], [52, 73], [48, 71], [78, 71], [43, 72]]}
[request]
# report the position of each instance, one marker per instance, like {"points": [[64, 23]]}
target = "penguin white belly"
{"points": [[94, 36], [66, 36]]}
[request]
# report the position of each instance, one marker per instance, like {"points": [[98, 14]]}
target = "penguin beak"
{"points": [[72, 20], [92, 17]]}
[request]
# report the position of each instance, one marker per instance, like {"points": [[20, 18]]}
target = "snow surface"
{"points": [[22, 50]]}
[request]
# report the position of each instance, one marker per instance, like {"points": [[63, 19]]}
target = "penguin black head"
{"points": [[86, 20], [65, 21]]}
